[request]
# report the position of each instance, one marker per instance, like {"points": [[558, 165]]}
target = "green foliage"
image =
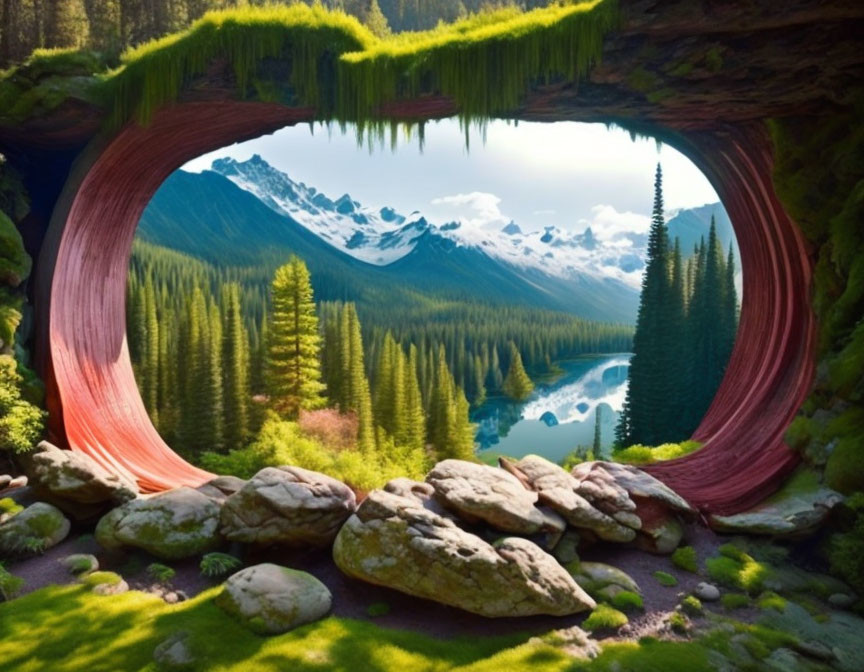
{"points": [[679, 622], [14, 261], [844, 470], [627, 600], [735, 600], [377, 609], [604, 617], [21, 423], [94, 579], [9, 506], [771, 600], [846, 548], [692, 605], [665, 579], [685, 558], [735, 568], [10, 585], [639, 454], [214, 565], [160, 573]]}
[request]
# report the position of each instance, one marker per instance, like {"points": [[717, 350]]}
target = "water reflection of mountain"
{"points": [[559, 416]]}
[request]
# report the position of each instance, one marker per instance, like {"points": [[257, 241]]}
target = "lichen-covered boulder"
{"points": [[33, 530], [75, 477], [171, 525], [594, 577], [480, 493], [287, 506], [269, 599], [80, 564], [221, 488], [560, 492], [396, 542]]}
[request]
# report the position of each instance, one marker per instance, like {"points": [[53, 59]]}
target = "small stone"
{"points": [[80, 563], [35, 529], [174, 653], [842, 600], [707, 592], [5, 480]]}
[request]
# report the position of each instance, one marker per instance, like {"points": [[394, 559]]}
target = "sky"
{"points": [[565, 174]]}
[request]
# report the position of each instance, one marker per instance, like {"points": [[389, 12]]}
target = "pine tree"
{"points": [[215, 407], [415, 436], [479, 382], [730, 307], [598, 441], [517, 384], [235, 353], [151, 352], [375, 20]]}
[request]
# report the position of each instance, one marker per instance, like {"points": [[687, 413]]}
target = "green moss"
{"points": [[10, 506], [735, 600], [846, 547], [639, 454], [735, 568], [94, 579], [642, 80], [627, 600], [665, 579], [378, 609], [604, 617], [771, 600], [685, 558], [681, 70], [844, 470], [692, 605], [679, 622], [10, 585]]}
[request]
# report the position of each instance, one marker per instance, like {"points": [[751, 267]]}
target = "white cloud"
{"points": [[607, 223], [476, 209], [544, 213]]}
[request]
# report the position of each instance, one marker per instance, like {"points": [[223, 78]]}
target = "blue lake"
{"points": [[559, 415]]}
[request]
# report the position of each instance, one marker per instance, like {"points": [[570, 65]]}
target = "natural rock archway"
{"points": [[705, 87]]}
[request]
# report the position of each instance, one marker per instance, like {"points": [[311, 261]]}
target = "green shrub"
{"points": [[639, 454], [282, 442], [378, 609], [692, 605], [685, 558], [846, 549], [218, 564], [735, 600], [160, 573], [665, 579], [21, 423], [604, 617], [10, 585], [627, 600], [10, 506]]}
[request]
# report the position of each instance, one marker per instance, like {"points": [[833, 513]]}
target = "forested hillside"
{"points": [[109, 26]]}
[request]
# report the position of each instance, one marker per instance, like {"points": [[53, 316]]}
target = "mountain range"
{"points": [[251, 214]]}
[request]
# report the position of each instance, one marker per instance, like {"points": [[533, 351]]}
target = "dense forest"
{"points": [[685, 331], [200, 338], [109, 26]]}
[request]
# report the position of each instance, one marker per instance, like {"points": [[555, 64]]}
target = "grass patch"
{"points": [[735, 601], [604, 617], [627, 600], [771, 600], [736, 569], [685, 558], [665, 579], [214, 565], [94, 579], [160, 573], [639, 454]]}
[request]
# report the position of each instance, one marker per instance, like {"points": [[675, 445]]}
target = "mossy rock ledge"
{"points": [[396, 542]]}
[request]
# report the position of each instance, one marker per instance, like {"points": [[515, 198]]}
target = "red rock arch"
{"points": [[92, 390]]}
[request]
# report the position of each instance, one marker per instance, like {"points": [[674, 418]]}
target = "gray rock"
{"points": [[707, 592], [480, 493], [111, 588], [35, 529], [573, 641], [171, 525], [270, 599], [660, 534], [5, 480], [396, 542], [599, 575], [841, 600], [80, 563], [75, 477], [221, 487], [287, 506], [635, 482], [174, 653], [561, 492], [567, 548]]}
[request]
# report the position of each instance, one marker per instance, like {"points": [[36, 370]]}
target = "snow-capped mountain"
{"points": [[381, 236]]}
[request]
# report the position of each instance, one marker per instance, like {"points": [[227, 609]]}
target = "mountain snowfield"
{"points": [[381, 236]]}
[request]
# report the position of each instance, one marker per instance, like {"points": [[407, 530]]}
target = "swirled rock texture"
{"points": [[477, 492], [396, 542], [270, 599], [287, 506], [171, 525]]}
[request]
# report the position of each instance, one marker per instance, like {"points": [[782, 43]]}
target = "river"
{"points": [[559, 416]]}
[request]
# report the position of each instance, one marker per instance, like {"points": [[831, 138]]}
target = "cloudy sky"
{"points": [[565, 174]]}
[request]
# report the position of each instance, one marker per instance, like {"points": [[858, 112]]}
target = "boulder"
{"points": [[661, 530], [634, 482], [287, 506], [595, 576], [270, 599], [797, 510], [422, 492], [75, 477], [396, 542], [221, 488], [560, 492], [170, 525], [480, 493], [80, 563], [573, 641], [33, 530]]}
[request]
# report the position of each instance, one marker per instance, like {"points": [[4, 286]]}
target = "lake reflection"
{"points": [[559, 416]]}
